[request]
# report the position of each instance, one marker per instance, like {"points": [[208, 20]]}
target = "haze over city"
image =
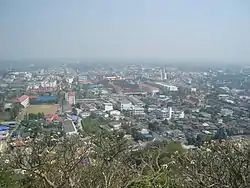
{"points": [[125, 93], [217, 31]]}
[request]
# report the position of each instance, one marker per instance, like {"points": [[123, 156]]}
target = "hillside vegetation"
{"points": [[109, 161]]}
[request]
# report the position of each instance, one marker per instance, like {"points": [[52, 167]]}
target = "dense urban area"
{"points": [[144, 106]]}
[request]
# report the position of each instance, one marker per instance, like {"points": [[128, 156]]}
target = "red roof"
{"points": [[22, 98], [52, 117]]}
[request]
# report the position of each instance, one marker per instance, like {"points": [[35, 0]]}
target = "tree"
{"points": [[107, 160], [220, 135], [153, 126], [41, 161], [199, 140], [77, 105], [191, 140], [214, 165], [15, 110], [135, 134], [74, 111]]}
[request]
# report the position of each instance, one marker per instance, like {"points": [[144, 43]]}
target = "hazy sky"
{"points": [[216, 30]]}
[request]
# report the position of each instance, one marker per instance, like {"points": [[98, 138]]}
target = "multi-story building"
{"points": [[70, 98], [165, 113], [137, 111], [126, 105], [136, 101]]}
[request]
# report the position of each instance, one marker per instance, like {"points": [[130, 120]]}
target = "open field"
{"points": [[45, 108]]}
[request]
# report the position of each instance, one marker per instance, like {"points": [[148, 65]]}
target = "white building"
{"points": [[85, 114], [167, 87], [226, 112], [115, 113], [70, 80], [193, 89], [137, 110], [181, 115], [108, 107], [144, 131], [48, 83], [165, 113], [125, 105]]}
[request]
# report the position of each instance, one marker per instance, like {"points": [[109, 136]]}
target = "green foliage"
{"points": [[5, 116], [37, 116], [7, 180], [113, 164], [91, 125]]}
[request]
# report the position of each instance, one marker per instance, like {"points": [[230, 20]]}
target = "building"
{"points": [[11, 124], [193, 89], [52, 118], [165, 113], [48, 83], [70, 80], [115, 113], [70, 98], [137, 111], [24, 101], [167, 87], [226, 112], [112, 77], [125, 105], [108, 107], [85, 114], [150, 89], [83, 79], [162, 113], [3, 131], [136, 101], [223, 96], [181, 115], [178, 114], [115, 125]]}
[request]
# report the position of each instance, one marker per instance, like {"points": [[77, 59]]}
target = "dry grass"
{"points": [[46, 109]]}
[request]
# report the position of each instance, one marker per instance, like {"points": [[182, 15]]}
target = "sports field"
{"points": [[45, 108]]}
